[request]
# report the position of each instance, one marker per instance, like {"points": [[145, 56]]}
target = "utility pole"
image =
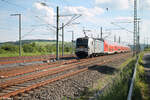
{"points": [[114, 38], [138, 36], [144, 42], [147, 42], [72, 41], [57, 34], [62, 39], [135, 29], [119, 39], [74, 17], [101, 32], [19, 32]]}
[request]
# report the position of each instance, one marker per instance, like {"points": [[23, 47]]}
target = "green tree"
{"points": [[2, 51], [29, 48], [49, 48], [67, 49], [10, 48], [41, 49]]}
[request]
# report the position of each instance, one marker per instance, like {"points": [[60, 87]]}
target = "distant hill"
{"points": [[37, 41], [28, 41]]}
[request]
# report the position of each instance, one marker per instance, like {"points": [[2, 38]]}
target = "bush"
{"points": [[2, 51], [34, 48], [41, 49], [10, 48], [29, 48], [49, 48], [67, 49]]}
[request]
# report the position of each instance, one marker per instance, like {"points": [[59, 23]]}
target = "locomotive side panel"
{"points": [[98, 47], [90, 46]]}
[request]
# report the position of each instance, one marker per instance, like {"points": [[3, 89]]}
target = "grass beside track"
{"points": [[141, 91], [118, 88], [114, 86]]}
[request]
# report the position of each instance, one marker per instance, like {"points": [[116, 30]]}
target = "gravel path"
{"points": [[146, 60], [73, 86]]}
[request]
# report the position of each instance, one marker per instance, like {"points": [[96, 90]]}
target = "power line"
{"points": [[18, 6], [121, 27]]}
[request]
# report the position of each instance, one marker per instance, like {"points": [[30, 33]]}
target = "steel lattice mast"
{"points": [[135, 48]]}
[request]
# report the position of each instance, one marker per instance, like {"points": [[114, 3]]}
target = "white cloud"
{"points": [[123, 4], [114, 4], [90, 12], [146, 4], [49, 12], [102, 1], [124, 19], [145, 28]]}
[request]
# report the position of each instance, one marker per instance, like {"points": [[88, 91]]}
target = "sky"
{"points": [[38, 19]]}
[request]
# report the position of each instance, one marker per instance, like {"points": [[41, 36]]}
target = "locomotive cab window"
{"points": [[82, 43]]}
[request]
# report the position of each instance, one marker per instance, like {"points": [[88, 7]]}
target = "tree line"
{"points": [[33, 48]]}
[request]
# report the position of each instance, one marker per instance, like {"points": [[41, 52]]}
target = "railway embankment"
{"points": [[76, 87], [116, 86], [59, 80], [142, 81], [113, 86]]}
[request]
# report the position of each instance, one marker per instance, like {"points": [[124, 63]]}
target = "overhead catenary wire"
{"points": [[49, 26], [122, 27], [18, 6]]}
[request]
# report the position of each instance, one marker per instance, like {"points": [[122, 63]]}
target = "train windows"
{"points": [[82, 42]]}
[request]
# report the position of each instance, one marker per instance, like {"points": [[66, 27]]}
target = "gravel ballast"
{"points": [[74, 86]]}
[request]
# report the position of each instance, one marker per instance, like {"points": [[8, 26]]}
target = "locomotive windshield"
{"points": [[82, 42]]}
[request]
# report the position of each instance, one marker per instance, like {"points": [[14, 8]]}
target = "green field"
{"points": [[34, 48]]}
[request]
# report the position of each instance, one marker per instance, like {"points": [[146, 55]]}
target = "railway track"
{"points": [[25, 83], [10, 72], [26, 57], [12, 60]]}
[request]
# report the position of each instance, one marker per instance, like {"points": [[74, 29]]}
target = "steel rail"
{"points": [[21, 90], [43, 73], [10, 72], [33, 68], [27, 57], [31, 59], [23, 57]]}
